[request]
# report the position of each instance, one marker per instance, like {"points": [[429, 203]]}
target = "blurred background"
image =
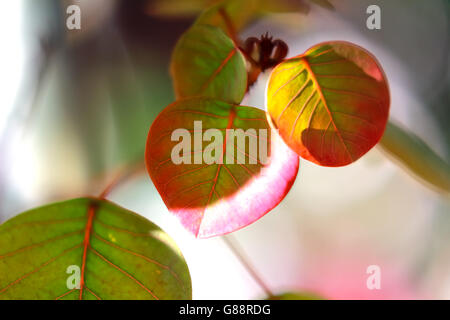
{"points": [[76, 105]]}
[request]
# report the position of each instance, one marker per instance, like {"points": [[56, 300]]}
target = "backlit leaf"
{"points": [[218, 198], [177, 8], [324, 3], [330, 104], [413, 153], [231, 16], [284, 6], [296, 296], [119, 255], [207, 63]]}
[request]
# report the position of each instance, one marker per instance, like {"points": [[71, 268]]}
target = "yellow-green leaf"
{"points": [[296, 296], [89, 249], [330, 104], [177, 8]]}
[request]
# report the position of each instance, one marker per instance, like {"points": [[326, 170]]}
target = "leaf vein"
{"points": [[123, 272]]}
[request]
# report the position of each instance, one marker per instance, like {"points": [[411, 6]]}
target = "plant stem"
{"points": [[238, 252], [122, 175]]}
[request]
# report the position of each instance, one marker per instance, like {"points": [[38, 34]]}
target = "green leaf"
{"points": [[330, 104], [416, 156], [177, 8], [324, 3], [284, 6], [296, 296], [221, 179], [207, 63], [231, 16], [120, 255]]}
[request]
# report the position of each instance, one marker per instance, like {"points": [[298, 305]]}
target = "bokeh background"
{"points": [[75, 106]]}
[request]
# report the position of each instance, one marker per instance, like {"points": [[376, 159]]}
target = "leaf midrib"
{"points": [[324, 101], [231, 117], [216, 72]]}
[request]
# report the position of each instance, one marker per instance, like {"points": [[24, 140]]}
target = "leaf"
{"points": [[177, 8], [284, 6], [207, 63], [296, 296], [324, 3], [120, 255], [218, 198], [330, 104], [414, 154], [231, 16]]}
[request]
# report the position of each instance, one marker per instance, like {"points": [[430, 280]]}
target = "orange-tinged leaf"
{"points": [[331, 104], [214, 198], [207, 63]]}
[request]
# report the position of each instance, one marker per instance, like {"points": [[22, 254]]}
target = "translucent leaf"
{"points": [[231, 16], [324, 3], [115, 253], [296, 296], [241, 185], [330, 104], [207, 63]]}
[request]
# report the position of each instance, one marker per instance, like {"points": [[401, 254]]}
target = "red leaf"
{"points": [[218, 198]]}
